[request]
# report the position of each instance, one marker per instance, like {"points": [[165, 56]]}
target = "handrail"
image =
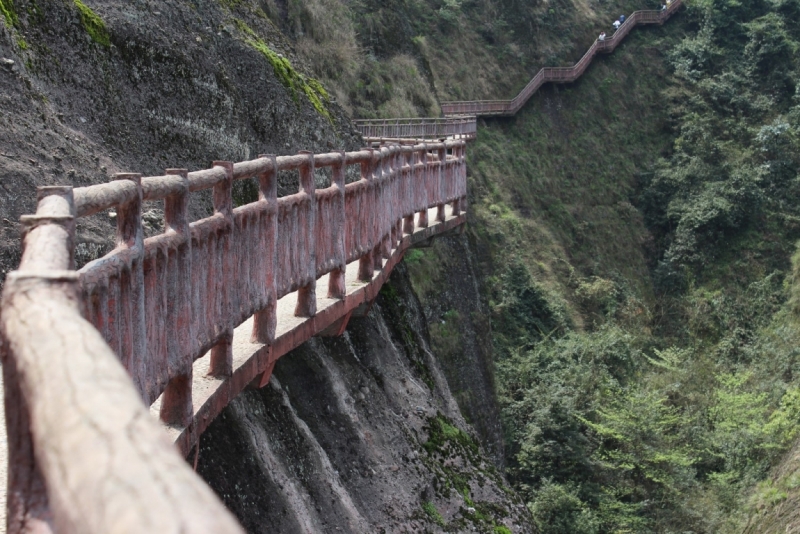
{"points": [[558, 74], [462, 127], [83, 348]]}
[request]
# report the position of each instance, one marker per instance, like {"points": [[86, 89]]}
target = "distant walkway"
{"points": [[559, 74], [460, 120]]}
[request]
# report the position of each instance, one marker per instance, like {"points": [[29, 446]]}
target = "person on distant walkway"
{"points": [[617, 24], [663, 7], [602, 36], [621, 19]]}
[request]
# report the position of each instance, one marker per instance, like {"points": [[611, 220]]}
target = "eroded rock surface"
{"points": [[358, 434]]}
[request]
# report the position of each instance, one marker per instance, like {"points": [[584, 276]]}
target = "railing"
{"points": [[559, 74], [85, 455], [418, 128]]}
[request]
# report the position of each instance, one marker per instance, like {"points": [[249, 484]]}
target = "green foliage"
{"points": [[501, 529], [290, 78], [558, 510], [93, 24], [735, 162]]}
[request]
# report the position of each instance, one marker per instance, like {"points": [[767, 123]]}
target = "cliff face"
{"points": [[141, 87], [359, 433]]}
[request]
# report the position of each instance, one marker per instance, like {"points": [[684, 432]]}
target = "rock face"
{"points": [[178, 84], [358, 434]]}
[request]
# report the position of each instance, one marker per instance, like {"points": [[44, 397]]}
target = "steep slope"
{"points": [[360, 434], [634, 232]]}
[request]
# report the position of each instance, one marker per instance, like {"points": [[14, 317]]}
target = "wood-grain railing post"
{"points": [[379, 213], [422, 220], [456, 179], [336, 279], [398, 199], [179, 286], [441, 169], [409, 159], [387, 201], [365, 263], [307, 294], [221, 364], [265, 321], [130, 327]]}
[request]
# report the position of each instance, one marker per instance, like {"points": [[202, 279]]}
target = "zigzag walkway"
{"points": [[186, 319], [460, 116]]}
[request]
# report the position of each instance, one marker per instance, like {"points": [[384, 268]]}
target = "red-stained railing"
{"points": [[558, 74], [206, 291]]}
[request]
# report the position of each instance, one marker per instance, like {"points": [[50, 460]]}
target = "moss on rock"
{"points": [[93, 24], [288, 76]]}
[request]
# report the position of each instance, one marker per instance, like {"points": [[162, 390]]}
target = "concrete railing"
{"points": [[186, 319], [559, 74], [418, 128]]}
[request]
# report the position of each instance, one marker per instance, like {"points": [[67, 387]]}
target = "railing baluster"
{"points": [[336, 279], [422, 219], [221, 364], [178, 328], [442, 183], [130, 327], [265, 320], [306, 295], [365, 263]]}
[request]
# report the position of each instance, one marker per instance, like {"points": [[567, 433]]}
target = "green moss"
{"points": [[288, 76], [93, 24], [501, 529], [433, 513], [442, 435], [21, 43], [7, 7]]}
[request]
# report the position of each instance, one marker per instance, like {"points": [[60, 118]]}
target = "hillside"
{"points": [[611, 346], [634, 235]]}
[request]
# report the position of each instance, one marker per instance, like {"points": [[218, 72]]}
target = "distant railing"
{"points": [[418, 128], [85, 455], [559, 74]]}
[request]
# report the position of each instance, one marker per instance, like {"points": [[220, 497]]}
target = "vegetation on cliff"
{"points": [[635, 233], [641, 284]]}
